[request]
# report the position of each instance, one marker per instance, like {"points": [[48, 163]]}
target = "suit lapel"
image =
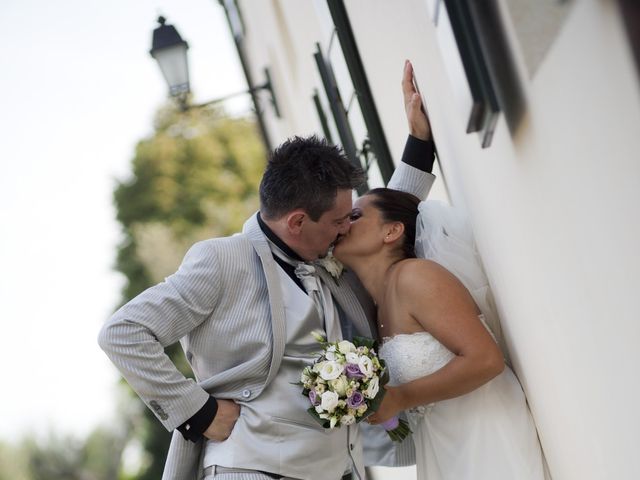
{"points": [[343, 290], [344, 295], [253, 232]]}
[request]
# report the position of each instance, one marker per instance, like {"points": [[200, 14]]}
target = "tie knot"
{"points": [[307, 274]]}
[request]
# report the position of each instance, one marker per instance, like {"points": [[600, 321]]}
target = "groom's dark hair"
{"points": [[306, 173]]}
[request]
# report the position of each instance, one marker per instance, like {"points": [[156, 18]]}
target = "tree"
{"points": [[195, 177], [14, 462], [69, 458], [54, 456]]}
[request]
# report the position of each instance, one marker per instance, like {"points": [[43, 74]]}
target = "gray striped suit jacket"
{"points": [[225, 307]]}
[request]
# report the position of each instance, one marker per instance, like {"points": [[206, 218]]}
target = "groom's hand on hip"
{"points": [[225, 419]]}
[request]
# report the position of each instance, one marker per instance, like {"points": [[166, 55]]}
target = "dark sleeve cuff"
{"points": [[419, 154], [193, 428]]}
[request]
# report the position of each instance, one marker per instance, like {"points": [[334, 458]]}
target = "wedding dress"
{"points": [[487, 434]]}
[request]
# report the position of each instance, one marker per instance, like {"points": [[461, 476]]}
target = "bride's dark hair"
{"points": [[397, 206]]}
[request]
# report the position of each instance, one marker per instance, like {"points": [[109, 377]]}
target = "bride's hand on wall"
{"points": [[416, 117]]}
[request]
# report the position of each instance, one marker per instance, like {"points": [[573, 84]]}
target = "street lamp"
{"points": [[170, 51]]}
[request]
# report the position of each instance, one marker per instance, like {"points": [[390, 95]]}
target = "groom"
{"points": [[243, 307]]}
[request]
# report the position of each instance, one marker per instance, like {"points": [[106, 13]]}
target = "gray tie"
{"points": [[321, 297]]}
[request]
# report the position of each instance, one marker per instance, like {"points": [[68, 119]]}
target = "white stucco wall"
{"points": [[555, 208], [556, 215]]}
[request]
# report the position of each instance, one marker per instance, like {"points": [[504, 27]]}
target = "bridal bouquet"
{"points": [[344, 385]]}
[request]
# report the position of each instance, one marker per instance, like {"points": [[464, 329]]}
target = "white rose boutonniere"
{"points": [[332, 265]]}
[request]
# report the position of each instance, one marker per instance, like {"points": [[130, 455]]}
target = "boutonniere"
{"points": [[332, 265]]}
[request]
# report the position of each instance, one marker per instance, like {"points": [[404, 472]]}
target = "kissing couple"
{"points": [[243, 308]]}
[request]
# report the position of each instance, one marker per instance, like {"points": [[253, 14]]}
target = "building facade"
{"points": [[535, 110]]}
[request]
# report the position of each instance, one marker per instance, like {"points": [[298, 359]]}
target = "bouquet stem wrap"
{"points": [[396, 428]]}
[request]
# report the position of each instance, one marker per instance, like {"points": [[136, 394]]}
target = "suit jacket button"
{"points": [[246, 393]]}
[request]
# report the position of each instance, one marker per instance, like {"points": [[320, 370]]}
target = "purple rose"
{"points": [[313, 398], [353, 371], [355, 400]]}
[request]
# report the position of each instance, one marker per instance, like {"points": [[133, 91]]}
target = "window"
{"points": [[342, 72], [482, 70]]}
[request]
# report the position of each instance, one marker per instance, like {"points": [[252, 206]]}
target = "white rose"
{"points": [[331, 370], [329, 401], [340, 385], [331, 356], [366, 366], [346, 346], [362, 408], [352, 357], [372, 388], [347, 420]]}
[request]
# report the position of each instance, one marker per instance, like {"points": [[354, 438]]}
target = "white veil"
{"points": [[444, 235]]}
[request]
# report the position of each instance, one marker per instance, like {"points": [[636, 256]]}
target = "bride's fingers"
{"points": [[407, 83]]}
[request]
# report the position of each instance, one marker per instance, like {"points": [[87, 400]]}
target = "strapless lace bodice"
{"points": [[414, 355], [411, 356]]}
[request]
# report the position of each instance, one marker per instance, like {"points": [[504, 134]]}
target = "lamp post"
{"points": [[170, 51]]}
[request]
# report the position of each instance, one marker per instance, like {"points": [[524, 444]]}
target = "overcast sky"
{"points": [[79, 90]]}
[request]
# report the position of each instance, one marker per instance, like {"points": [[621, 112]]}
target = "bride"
{"points": [[466, 408]]}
